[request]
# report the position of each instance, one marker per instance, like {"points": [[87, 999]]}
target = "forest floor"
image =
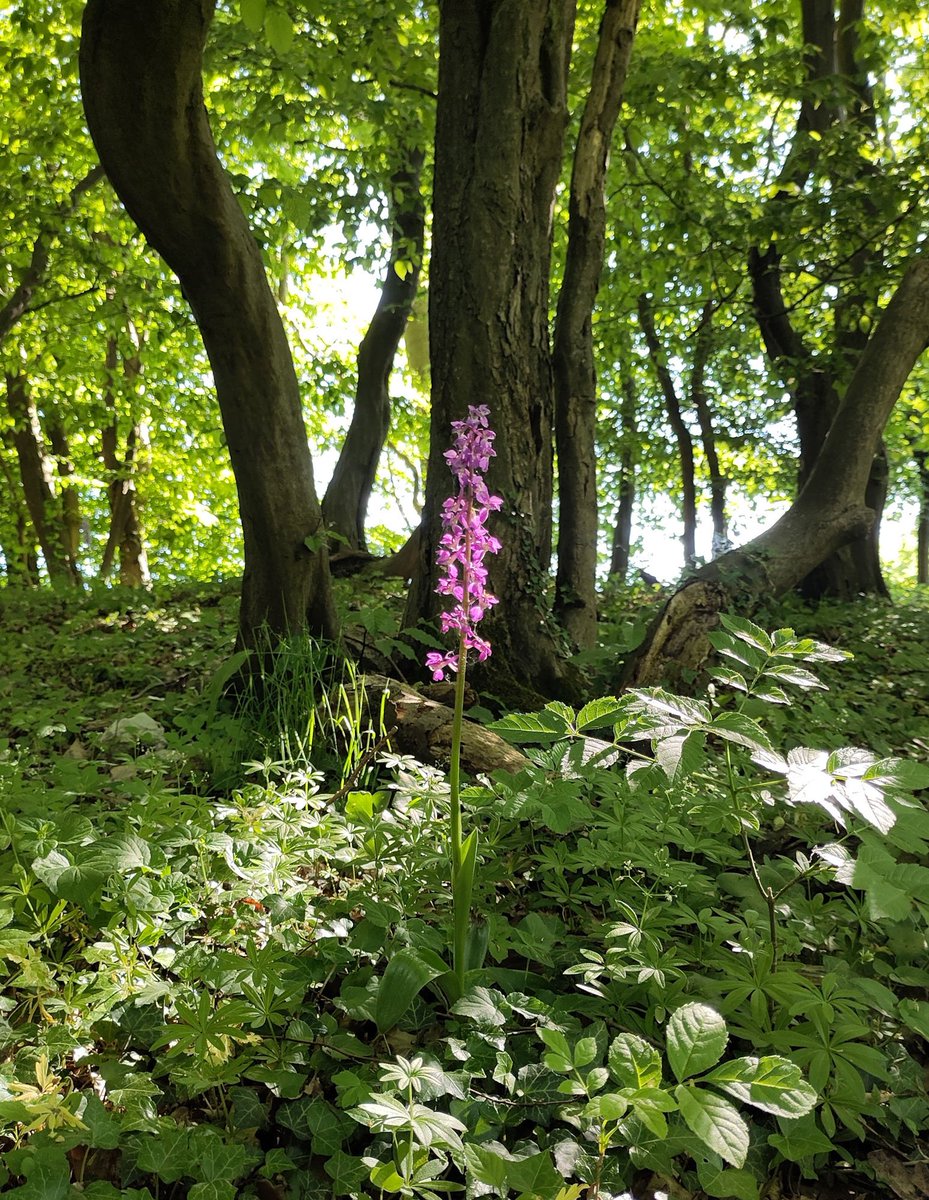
{"points": [[223, 923]]}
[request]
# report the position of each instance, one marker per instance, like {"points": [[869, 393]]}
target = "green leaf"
{"points": [[601, 713], [800, 1139], [279, 30], [915, 1015], [407, 974], [726, 1183], [346, 1172], [696, 1038], [253, 14], [773, 1084], [738, 728], [748, 632], [546, 726], [633, 1062], [715, 1122], [213, 1189]]}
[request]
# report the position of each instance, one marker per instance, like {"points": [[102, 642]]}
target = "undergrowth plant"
{"points": [[705, 970]]}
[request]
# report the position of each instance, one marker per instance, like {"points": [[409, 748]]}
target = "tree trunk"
{"points": [[922, 524], [143, 98], [622, 526], [827, 513], [816, 380], [501, 117], [685, 445], [125, 525], [20, 559], [36, 475], [701, 404], [345, 504], [573, 351], [70, 499]]}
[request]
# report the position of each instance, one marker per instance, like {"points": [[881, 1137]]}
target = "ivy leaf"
{"points": [[715, 1121], [346, 1172], [696, 1038]]}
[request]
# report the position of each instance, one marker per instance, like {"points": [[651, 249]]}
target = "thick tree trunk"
{"points": [[501, 118], [36, 475], [685, 445], [345, 504], [143, 97], [826, 515], [573, 350], [21, 562]]}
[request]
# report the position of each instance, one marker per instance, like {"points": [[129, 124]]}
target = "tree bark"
{"points": [[573, 350], [827, 513], [622, 525], [685, 444], [125, 533], [19, 546], [345, 504], [701, 403], [143, 97], [816, 380], [36, 476], [922, 523], [70, 499], [501, 116]]}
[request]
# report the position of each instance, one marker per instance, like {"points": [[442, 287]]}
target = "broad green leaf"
{"points": [[800, 1139], [633, 1062], [696, 1038], [279, 30], [546, 726], [773, 1084], [346, 1172], [726, 1183], [407, 973], [738, 728], [598, 714], [748, 632], [715, 1121], [253, 14], [915, 1015]]}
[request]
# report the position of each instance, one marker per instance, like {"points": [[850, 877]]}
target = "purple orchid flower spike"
{"points": [[466, 541]]}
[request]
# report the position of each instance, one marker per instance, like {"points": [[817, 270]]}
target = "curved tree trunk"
{"points": [[345, 504], [685, 445], [143, 97], [828, 512], [816, 379], [573, 350], [501, 118]]}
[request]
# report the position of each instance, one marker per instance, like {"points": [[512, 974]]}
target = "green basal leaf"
{"points": [[407, 973]]}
